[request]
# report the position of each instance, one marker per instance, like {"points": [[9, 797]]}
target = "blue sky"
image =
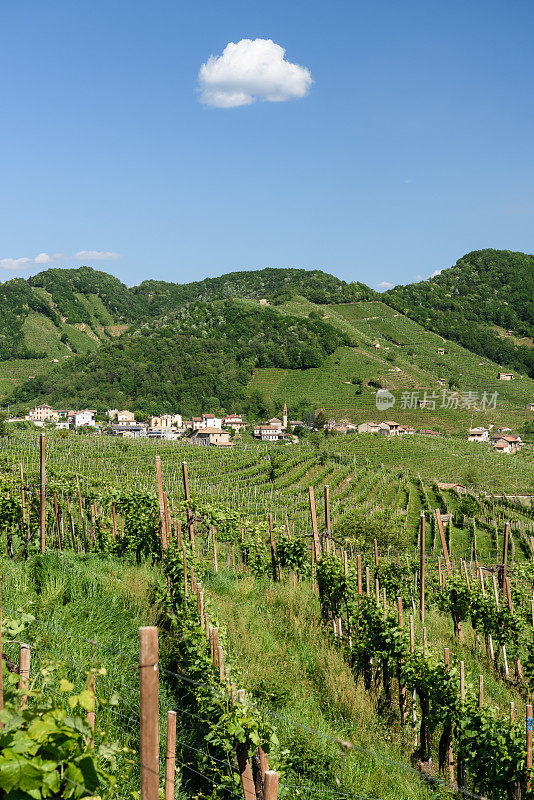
{"points": [[412, 146]]}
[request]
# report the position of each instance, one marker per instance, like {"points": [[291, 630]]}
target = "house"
{"points": [[406, 429], [530, 406], [211, 421], [505, 376], [478, 435], [389, 428], [368, 427], [128, 431], [275, 423], [456, 487], [111, 413], [271, 433], [440, 351], [210, 436], [502, 446], [43, 413], [376, 345], [84, 419], [233, 421], [125, 418], [425, 432], [504, 430], [264, 302], [196, 423], [514, 443]]}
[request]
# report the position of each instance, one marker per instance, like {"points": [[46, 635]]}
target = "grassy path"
{"points": [[286, 662]]}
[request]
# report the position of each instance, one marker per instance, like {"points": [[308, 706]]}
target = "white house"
{"points": [[530, 406], [211, 421], [275, 423], [84, 419], [505, 376], [478, 435]]}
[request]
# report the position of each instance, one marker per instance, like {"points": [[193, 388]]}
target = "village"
{"points": [[210, 429]]}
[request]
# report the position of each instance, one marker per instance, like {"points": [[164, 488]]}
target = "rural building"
{"points": [[125, 418], [264, 302], [440, 351], [43, 413], [211, 421], [84, 419], [530, 406], [514, 443], [406, 429], [456, 487], [368, 427], [275, 423], [478, 435], [128, 431], [426, 432], [389, 428], [210, 436], [234, 421], [505, 376]]}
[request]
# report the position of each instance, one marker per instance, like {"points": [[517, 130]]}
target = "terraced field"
{"points": [[398, 354]]}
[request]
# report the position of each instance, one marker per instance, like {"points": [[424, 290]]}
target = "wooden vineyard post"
{"points": [[82, 516], [505, 555], [359, 569], [402, 688], [215, 560], [450, 756], [316, 542], [170, 755], [190, 525], [56, 516], [422, 568], [185, 571], [1, 651], [480, 691], [161, 503], [327, 511], [243, 762], [273, 549], [24, 673], [91, 712], [443, 542], [149, 713], [528, 725], [220, 660], [532, 546], [42, 491], [270, 786], [414, 694]]}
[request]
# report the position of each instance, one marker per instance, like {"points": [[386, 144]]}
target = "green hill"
{"points": [[323, 343], [202, 355], [486, 294]]}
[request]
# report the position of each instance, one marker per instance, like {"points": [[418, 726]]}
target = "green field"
{"points": [[401, 356]]}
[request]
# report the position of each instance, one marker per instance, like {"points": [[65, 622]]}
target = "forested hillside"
{"points": [[201, 356], [485, 291]]}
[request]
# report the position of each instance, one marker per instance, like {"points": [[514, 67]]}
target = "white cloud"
{"points": [[15, 263], [97, 255], [44, 258], [384, 285], [250, 70]]}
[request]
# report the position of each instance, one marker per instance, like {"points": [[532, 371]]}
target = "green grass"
{"points": [[288, 665]]}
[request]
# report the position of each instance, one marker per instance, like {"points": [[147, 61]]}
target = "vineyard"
{"points": [[332, 620]]}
